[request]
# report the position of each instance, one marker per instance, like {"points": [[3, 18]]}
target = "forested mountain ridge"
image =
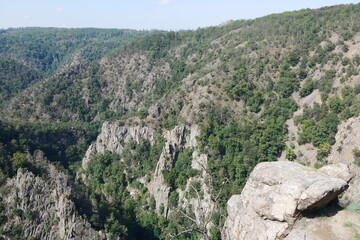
{"points": [[48, 49], [185, 115]]}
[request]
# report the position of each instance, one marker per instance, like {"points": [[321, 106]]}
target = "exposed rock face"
{"points": [[41, 209], [338, 170], [274, 197], [113, 138], [157, 186], [203, 207], [347, 139]]}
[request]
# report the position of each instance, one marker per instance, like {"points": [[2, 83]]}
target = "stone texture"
{"points": [[273, 198], [175, 138], [47, 211], [332, 223], [338, 170], [298, 235], [347, 139], [113, 137], [181, 137]]}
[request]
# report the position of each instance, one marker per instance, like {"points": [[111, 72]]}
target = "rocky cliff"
{"points": [[41, 207], [285, 84], [277, 194], [113, 138]]}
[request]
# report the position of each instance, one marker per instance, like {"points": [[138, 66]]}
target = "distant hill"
{"points": [[49, 49], [157, 130]]}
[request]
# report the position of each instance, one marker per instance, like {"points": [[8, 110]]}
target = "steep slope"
{"points": [[38, 207], [190, 114], [49, 49], [245, 61], [15, 77]]}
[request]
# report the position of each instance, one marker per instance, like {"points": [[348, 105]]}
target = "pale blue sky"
{"points": [[143, 14]]}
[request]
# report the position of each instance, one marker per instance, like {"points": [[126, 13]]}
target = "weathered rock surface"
{"points": [[275, 195], [338, 170], [298, 235], [347, 139], [113, 138], [332, 223], [157, 186], [40, 207]]}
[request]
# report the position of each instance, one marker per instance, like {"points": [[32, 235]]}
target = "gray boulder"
{"points": [[274, 197]]}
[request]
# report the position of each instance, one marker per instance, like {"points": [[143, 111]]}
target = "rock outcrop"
{"points": [[276, 194], [41, 208], [347, 139], [157, 186], [113, 138]]}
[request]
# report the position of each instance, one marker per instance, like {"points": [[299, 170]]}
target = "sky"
{"points": [[143, 14]]}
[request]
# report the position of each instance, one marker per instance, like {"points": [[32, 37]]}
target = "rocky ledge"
{"points": [[275, 196]]}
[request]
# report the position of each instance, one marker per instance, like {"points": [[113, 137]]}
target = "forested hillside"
{"points": [[31, 54], [48, 49], [157, 130]]}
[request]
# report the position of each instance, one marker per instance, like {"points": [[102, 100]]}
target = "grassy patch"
{"points": [[354, 207], [348, 224]]}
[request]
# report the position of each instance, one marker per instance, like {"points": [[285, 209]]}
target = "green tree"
{"points": [[307, 88], [336, 104], [18, 160]]}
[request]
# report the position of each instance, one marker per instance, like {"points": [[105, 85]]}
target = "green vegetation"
{"points": [[110, 175], [177, 177], [319, 123], [288, 83], [307, 89], [15, 77], [356, 153], [48, 49], [353, 207], [235, 81], [60, 142], [236, 146], [289, 153], [357, 236], [241, 88]]}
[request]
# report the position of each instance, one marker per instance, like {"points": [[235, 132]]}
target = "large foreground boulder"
{"points": [[276, 194]]}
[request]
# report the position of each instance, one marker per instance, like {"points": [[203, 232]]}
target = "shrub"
{"points": [[173, 199], [307, 88], [356, 154], [323, 151], [290, 155]]}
